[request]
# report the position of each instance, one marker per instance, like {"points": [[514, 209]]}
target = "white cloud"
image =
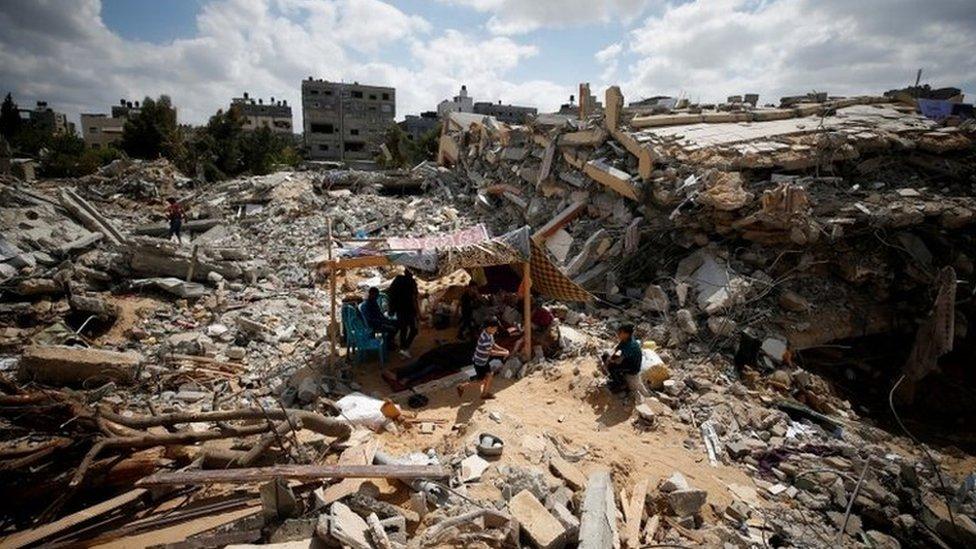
{"points": [[71, 59], [715, 48], [523, 16], [608, 57]]}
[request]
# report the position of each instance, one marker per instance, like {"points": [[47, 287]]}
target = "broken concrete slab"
{"points": [[605, 174], [568, 472], [76, 366], [598, 521], [687, 501], [542, 529]]}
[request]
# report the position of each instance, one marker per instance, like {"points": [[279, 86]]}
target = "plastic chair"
{"points": [[348, 311], [359, 337]]}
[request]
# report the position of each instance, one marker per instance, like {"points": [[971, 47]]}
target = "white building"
{"points": [[460, 103]]}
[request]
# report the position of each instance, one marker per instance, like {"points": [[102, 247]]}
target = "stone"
{"points": [[236, 353], [542, 529], [472, 467], [882, 541], [568, 472], [687, 501], [278, 501], [676, 481], [598, 523], [792, 301], [348, 527], [63, 365], [569, 522], [721, 326], [775, 348], [684, 320], [656, 375], [655, 299], [738, 511]]}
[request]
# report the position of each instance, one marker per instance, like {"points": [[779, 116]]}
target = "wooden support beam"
{"points": [[297, 472], [607, 175], [527, 309], [562, 219], [634, 514]]}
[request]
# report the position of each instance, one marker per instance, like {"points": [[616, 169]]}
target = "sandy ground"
{"points": [[581, 415]]}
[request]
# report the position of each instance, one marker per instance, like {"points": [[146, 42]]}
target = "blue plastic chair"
{"points": [[359, 336]]}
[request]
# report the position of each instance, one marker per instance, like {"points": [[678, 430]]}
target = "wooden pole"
{"points": [[299, 472], [333, 327], [527, 309]]}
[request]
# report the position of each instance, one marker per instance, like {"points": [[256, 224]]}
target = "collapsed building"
{"points": [[800, 275]]}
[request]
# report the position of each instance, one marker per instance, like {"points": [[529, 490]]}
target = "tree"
{"points": [[152, 133], [10, 122], [62, 157]]}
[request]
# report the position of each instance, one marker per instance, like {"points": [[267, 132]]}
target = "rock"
{"points": [[655, 299], [569, 522], [38, 286], [739, 511], [568, 472], [684, 320], [775, 348], [236, 353], [721, 326], [781, 378], [62, 365], [472, 467], [882, 541], [278, 501], [675, 482], [598, 523], [656, 375], [347, 527], [792, 301], [542, 529], [687, 502]]}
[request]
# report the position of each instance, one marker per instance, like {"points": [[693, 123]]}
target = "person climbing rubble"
{"points": [[624, 364], [175, 214], [485, 365]]}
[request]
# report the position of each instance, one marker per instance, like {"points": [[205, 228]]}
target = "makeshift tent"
{"points": [[517, 247]]}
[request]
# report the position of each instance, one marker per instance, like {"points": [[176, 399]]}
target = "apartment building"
{"points": [[510, 114], [275, 115], [345, 121], [101, 130]]}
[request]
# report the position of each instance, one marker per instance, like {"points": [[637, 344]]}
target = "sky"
{"points": [[84, 55]]}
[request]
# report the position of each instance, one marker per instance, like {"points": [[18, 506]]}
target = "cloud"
{"points": [[71, 59], [510, 17], [608, 57], [715, 48]]}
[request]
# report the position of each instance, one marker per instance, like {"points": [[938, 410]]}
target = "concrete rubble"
{"points": [[800, 275]]}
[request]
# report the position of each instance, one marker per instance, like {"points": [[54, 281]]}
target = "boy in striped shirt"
{"points": [[484, 364]]}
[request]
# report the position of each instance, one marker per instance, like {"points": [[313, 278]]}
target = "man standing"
{"points": [[470, 299], [175, 215], [485, 365], [377, 320], [405, 304], [625, 361]]}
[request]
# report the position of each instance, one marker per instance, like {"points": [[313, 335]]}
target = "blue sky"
{"points": [[83, 55]]}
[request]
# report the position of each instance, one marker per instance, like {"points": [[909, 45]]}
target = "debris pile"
{"points": [[800, 277]]}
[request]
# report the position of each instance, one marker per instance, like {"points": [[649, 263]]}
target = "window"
{"points": [[372, 96], [316, 104], [322, 128], [372, 109], [386, 97], [323, 147], [93, 129], [386, 108], [353, 131], [357, 94], [354, 147], [313, 92]]}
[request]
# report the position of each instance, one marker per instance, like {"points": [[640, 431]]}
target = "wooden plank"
{"points": [[690, 534], [34, 535], [298, 472], [633, 514], [562, 219], [611, 177], [435, 385], [650, 529], [178, 532]]}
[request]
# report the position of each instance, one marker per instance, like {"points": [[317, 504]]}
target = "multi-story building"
{"points": [[461, 102], [416, 126], [45, 118], [275, 115], [102, 130], [510, 114], [345, 121]]}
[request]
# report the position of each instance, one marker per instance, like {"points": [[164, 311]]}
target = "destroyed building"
{"points": [[800, 277], [274, 115], [345, 121], [462, 102]]}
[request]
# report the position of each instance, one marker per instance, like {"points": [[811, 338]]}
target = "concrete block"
{"points": [[542, 529]]}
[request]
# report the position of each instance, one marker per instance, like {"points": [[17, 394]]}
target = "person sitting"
{"points": [[377, 320], [624, 364], [545, 331], [486, 360]]}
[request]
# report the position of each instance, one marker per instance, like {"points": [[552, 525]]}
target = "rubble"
{"points": [[785, 267]]}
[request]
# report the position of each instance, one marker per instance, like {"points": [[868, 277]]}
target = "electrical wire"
{"points": [[935, 466]]}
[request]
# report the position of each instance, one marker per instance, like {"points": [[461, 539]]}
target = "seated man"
{"points": [[377, 320], [624, 365]]}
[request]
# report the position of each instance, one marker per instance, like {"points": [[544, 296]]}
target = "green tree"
{"points": [[62, 157], [10, 122], [152, 133]]}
